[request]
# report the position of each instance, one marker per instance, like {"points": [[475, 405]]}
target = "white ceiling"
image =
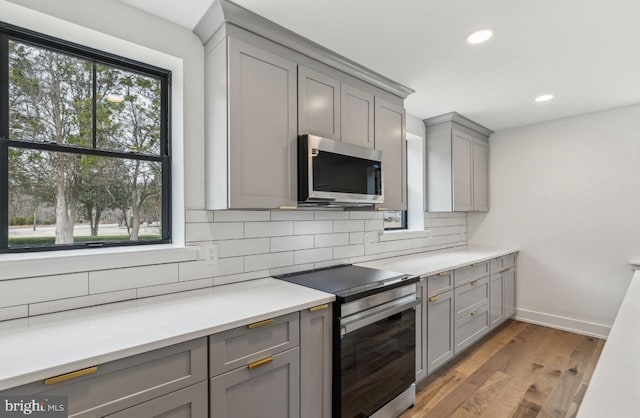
{"points": [[585, 52]]}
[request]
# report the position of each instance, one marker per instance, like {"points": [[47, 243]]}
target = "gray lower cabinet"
{"points": [[440, 321], [357, 116], [421, 331], [471, 328], [509, 288], [390, 139], [316, 356], [318, 104], [497, 302], [190, 402], [268, 389], [111, 387]]}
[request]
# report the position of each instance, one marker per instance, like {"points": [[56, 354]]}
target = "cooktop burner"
{"points": [[349, 282]]}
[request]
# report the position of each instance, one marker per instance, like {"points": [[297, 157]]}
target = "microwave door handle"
{"points": [[350, 326]]}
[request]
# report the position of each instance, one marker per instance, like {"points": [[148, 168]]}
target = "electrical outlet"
{"points": [[210, 253]]}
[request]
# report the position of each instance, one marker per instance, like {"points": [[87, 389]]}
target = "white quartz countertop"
{"points": [[615, 384], [425, 264], [43, 346]]}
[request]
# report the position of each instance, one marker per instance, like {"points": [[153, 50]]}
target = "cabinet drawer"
{"points": [[496, 265], [240, 346], [471, 296], [269, 390], [471, 328], [470, 273], [124, 383], [189, 402], [439, 283], [509, 261]]}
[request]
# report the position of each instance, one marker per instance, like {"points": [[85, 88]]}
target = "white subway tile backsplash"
{"points": [[329, 263], [292, 215], [40, 289], [312, 256], [131, 278], [267, 229], [14, 312], [290, 269], [312, 227], [241, 215], [365, 215], [236, 247], [356, 238], [268, 261], [214, 231], [296, 242], [331, 240], [348, 251], [374, 225], [242, 277], [163, 289], [80, 302], [348, 226], [330, 215], [201, 216], [195, 270]]}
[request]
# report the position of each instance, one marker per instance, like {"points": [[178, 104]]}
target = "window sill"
{"points": [[73, 261], [403, 234]]}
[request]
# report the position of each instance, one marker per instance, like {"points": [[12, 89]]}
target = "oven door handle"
{"points": [[355, 324]]}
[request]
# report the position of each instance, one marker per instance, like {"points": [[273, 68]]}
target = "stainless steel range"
{"points": [[373, 338]]}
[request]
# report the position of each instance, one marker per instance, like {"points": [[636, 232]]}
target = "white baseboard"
{"points": [[590, 329]]}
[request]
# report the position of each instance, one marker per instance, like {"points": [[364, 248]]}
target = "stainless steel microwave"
{"points": [[336, 173]]}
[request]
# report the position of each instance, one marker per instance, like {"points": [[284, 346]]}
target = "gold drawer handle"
{"points": [[69, 376], [475, 282], [433, 298], [422, 279], [474, 313], [444, 273], [260, 363], [260, 324], [381, 209], [319, 307], [288, 207]]}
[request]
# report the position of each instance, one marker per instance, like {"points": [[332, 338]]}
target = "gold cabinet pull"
{"points": [[259, 363], [288, 207], [433, 298], [444, 273], [260, 324], [72, 375], [422, 279], [475, 282], [474, 313], [381, 209], [319, 307]]}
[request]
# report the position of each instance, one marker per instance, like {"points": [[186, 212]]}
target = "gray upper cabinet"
{"points": [[390, 139], [315, 362], [318, 104], [357, 116], [457, 164], [251, 127]]}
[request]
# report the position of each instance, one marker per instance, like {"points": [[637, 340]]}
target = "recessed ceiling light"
{"points": [[480, 36], [544, 98]]}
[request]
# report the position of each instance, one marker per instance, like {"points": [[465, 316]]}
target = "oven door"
{"points": [[377, 356]]}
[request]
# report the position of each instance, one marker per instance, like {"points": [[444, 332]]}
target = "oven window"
{"points": [[378, 364], [344, 174]]}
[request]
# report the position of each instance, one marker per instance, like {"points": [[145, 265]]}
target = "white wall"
{"points": [[567, 193]]}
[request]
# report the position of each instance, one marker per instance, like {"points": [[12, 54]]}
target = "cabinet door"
{"points": [[497, 302], [471, 328], [480, 175], [315, 362], [440, 321], [262, 128], [190, 402], [509, 287], [357, 116], [318, 104], [269, 390], [390, 139], [421, 331], [461, 166]]}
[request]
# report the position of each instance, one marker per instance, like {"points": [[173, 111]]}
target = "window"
{"points": [[84, 147], [394, 219]]}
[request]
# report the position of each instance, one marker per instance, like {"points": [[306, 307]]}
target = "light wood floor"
{"points": [[521, 370]]}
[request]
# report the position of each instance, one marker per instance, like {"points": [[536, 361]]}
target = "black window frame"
{"points": [[10, 32]]}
